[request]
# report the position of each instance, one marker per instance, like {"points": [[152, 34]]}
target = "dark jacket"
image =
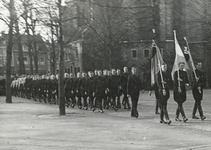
{"points": [[100, 86], [198, 93], [134, 85], [180, 97]]}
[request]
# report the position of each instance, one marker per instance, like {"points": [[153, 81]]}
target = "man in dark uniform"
{"points": [[42, 88], [99, 90], [133, 90], [3, 86], [57, 89], [157, 101], [71, 88], [78, 90], [113, 84], [27, 86], [180, 83], [118, 72], [33, 87], [197, 90], [83, 90], [163, 80], [39, 88], [90, 88], [52, 89], [47, 89], [106, 99], [66, 89], [123, 82]]}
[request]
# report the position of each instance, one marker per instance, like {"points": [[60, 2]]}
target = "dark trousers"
{"points": [[67, 98], [73, 100], [180, 110], [44, 96], [113, 101], [99, 100], [197, 105], [79, 101], [164, 112], [85, 101], [134, 111], [91, 100], [106, 101], [125, 101], [158, 105]]}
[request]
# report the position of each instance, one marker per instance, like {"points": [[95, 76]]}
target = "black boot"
{"points": [[167, 116], [132, 113], [177, 114], [156, 107], [201, 112], [183, 114], [161, 116]]}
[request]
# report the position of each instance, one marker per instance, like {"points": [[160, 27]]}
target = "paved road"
{"points": [[30, 125]]}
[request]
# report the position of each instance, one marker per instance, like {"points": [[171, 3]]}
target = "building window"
{"points": [[42, 61], [134, 53], [68, 56], [25, 48], [17, 60], [76, 52], [25, 60], [146, 53], [71, 69]]}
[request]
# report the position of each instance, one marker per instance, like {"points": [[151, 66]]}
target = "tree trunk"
{"points": [[61, 65], [9, 53], [53, 57], [29, 41], [35, 58], [20, 50], [29, 49]]}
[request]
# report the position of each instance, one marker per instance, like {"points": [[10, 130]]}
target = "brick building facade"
{"points": [[41, 52], [164, 16]]}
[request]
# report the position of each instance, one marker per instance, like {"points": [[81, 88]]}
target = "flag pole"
{"points": [[178, 69], [194, 71], [189, 56], [155, 45], [161, 75]]}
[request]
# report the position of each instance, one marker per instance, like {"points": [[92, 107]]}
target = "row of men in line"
{"points": [[180, 80], [99, 89]]}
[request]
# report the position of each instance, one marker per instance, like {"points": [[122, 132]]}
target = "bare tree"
{"points": [[61, 61], [20, 50], [25, 16], [9, 52]]}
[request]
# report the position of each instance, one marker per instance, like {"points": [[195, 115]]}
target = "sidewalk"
{"points": [[29, 125]]}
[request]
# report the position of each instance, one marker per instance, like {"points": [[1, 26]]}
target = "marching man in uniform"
{"points": [[163, 81], [180, 82], [133, 90], [197, 91]]}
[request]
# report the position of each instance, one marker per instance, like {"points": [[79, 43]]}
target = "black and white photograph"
{"points": [[105, 75]]}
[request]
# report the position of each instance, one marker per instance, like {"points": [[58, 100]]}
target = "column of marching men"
{"points": [[95, 90], [102, 90]]}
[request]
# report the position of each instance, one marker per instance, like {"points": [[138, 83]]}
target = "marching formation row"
{"points": [[99, 89], [102, 89]]}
